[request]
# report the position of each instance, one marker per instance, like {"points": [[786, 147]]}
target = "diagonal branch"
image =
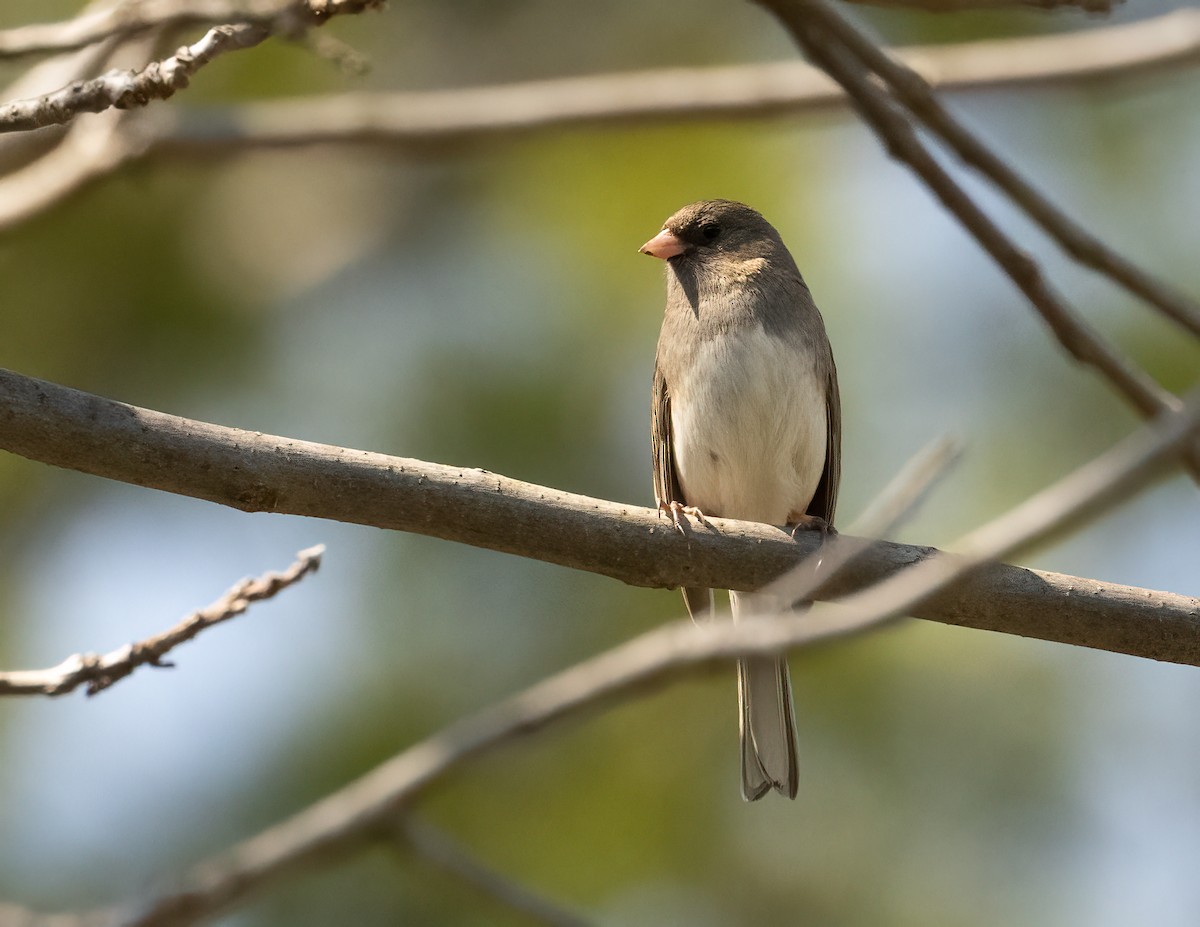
{"points": [[366, 808], [99, 672], [445, 119], [128, 19], [964, 6], [478, 114], [442, 851], [255, 472], [1075, 335], [915, 93], [90, 150], [161, 79]]}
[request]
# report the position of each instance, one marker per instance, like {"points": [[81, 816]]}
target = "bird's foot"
{"points": [[678, 513], [803, 522]]}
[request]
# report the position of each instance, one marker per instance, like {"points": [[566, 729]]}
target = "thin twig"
{"points": [[257, 472], [437, 847], [962, 6], [894, 503], [161, 79], [99, 672], [1094, 488], [1079, 339], [12, 915], [127, 89], [128, 19], [914, 92], [343, 820], [908, 488], [90, 150], [473, 115]]}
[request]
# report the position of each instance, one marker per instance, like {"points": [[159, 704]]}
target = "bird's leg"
{"points": [[678, 513], [800, 521]]}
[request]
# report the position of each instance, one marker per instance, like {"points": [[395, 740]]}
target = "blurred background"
{"points": [[488, 308]]}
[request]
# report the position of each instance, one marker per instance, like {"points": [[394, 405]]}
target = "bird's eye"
{"points": [[710, 231]]}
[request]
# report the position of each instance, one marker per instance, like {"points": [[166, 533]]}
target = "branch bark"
{"points": [[964, 6], [254, 472], [473, 115], [99, 672], [912, 90], [445, 119], [439, 849], [811, 25], [128, 19], [368, 807], [161, 79]]}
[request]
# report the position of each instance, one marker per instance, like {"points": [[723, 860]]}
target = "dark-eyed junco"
{"points": [[745, 423]]}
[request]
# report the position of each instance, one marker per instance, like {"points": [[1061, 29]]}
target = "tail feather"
{"points": [[766, 717]]}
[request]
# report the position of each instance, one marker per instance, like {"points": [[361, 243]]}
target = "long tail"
{"points": [[766, 718]]}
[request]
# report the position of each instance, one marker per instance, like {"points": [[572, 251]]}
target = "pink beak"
{"points": [[666, 244]]}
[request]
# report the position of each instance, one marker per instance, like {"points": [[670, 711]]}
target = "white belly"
{"points": [[749, 424]]}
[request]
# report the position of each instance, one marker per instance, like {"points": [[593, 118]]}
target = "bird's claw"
{"points": [[678, 513], [811, 523]]}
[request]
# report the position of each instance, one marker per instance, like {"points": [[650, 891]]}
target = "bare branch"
{"points": [[915, 93], [473, 115], [1079, 339], [963, 6], [99, 672], [128, 19], [91, 149], [344, 820], [126, 89], [908, 488], [12, 915], [264, 473], [161, 79], [438, 848], [1095, 487]]}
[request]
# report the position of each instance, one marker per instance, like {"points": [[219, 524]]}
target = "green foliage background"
{"points": [[488, 308]]}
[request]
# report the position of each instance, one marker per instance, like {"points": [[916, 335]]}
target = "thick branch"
{"points": [[99, 672], [264, 473], [342, 821], [370, 806]]}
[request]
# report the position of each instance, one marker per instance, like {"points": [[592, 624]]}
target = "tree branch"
{"points": [[100, 672], [917, 96], [90, 150], [369, 806], [161, 79], [473, 115], [439, 849], [128, 19], [962, 6], [804, 20], [254, 472], [127, 89]]}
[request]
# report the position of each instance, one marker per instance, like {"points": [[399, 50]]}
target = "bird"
{"points": [[745, 424]]}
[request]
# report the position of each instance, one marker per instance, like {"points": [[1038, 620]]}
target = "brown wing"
{"points": [[666, 479], [824, 500]]}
